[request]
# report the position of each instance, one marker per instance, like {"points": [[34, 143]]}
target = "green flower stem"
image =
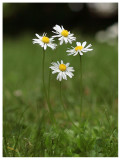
{"points": [[61, 99], [49, 84], [80, 85], [48, 103], [50, 74], [43, 71]]}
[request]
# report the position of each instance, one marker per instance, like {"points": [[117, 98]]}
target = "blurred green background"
{"points": [[27, 130]]}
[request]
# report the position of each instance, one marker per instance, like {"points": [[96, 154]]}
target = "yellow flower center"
{"points": [[45, 39], [78, 48], [62, 67], [64, 33]]}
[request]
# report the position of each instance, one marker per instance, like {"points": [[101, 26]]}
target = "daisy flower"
{"points": [[79, 49], [62, 69], [64, 35], [44, 41]]}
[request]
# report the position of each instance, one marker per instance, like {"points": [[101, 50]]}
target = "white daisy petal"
{"points": [[61, 62], [45, 46], [55, 71], [57, 28], [66, 40], [89, 46], [58, 62], [83, 44], [78, 43], [67, 64], [60, 77], [71, 50], [75, 54], [61, 42], [56, 36], [81, 54], [67, 73], [69, 41], [53, 63], [70, 69], [54, 68], [64, 76], [38, 35], [62, 27], [60, 38], [70, 54], [53, 46], [86, 50]]}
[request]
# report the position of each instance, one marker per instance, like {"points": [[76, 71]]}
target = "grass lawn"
{"points": [[27, 129]]}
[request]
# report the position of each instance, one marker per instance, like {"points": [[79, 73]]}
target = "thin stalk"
{"points": [[49, 85], [43, 68], [80, 85], [50, 74], [61, 99], [48, 103]]}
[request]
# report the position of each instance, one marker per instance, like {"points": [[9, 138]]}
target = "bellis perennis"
{"points": [[63, 34], [80, 48], [44, 41], [62, 69]]}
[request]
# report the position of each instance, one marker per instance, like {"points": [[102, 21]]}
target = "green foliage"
{"points": [[27, 129]]}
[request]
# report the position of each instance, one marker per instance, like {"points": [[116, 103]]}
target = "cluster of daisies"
{"points": [[63, 35]]}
